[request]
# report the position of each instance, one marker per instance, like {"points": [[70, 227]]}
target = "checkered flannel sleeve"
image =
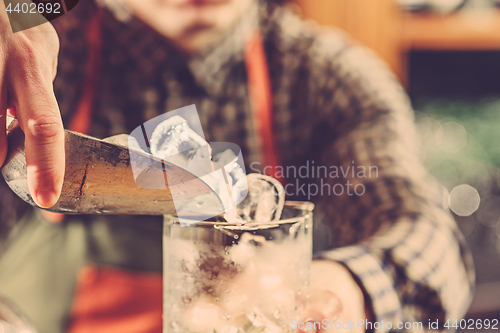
{"points": [[406, 251]]}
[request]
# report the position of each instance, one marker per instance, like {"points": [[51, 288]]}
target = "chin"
{"points": [[196, 3], [191, 24], [196, 42]]}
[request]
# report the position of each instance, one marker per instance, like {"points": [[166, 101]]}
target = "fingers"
{"points": [[323, 305], [40, 120], [28, 61], [310, 321], [328, 302], [44, 147], [4, 25], [3, 122]]}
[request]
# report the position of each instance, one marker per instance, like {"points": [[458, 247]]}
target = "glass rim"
{"points": [[306, 206]]}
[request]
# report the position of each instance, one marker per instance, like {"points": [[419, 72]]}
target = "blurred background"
{"points": [[447, 55]]}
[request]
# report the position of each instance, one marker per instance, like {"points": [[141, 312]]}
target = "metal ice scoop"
{"points": [[99, 179]]}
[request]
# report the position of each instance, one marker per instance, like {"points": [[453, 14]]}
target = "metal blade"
{"points": [[99, 179]]}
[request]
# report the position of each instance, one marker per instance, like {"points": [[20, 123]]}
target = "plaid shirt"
{"points": [[336, 107]]}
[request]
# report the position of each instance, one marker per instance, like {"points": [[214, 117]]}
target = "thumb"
{"points": [[311, 320]]}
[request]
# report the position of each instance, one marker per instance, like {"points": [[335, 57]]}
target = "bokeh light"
{"points": [[489, 211], [464, 200], [451, 137]]}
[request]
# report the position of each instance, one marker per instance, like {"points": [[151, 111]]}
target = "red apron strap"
{"points": [[259, 87], [83, 116]]}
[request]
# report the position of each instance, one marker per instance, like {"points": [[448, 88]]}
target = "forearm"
{"points": [[418, 270]]}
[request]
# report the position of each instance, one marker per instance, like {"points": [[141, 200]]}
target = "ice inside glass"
{"points": [[237, 278]]}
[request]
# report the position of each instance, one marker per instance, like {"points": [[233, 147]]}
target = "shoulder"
{"points": [[324, 50], [334, 61], [292, 34]]}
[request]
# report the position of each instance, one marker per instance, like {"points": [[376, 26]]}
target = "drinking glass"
{"points": [[237, 278]]}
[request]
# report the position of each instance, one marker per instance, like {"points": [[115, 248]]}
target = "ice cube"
{"points": [[239, 190], [265, 199], [250, 239], [203, 316], [199, 163], [271, 281], [230, 329], [254, 322], [218, 184], [262, 324], [173, 136], [244, 251], [229, 161], [236, 178], [174, 141]]}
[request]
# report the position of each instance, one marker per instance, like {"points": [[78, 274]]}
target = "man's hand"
{"points": [[28, 62], [335, 297]]}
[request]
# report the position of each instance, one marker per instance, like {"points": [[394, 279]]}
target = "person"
{"points": [[386, 251]]}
